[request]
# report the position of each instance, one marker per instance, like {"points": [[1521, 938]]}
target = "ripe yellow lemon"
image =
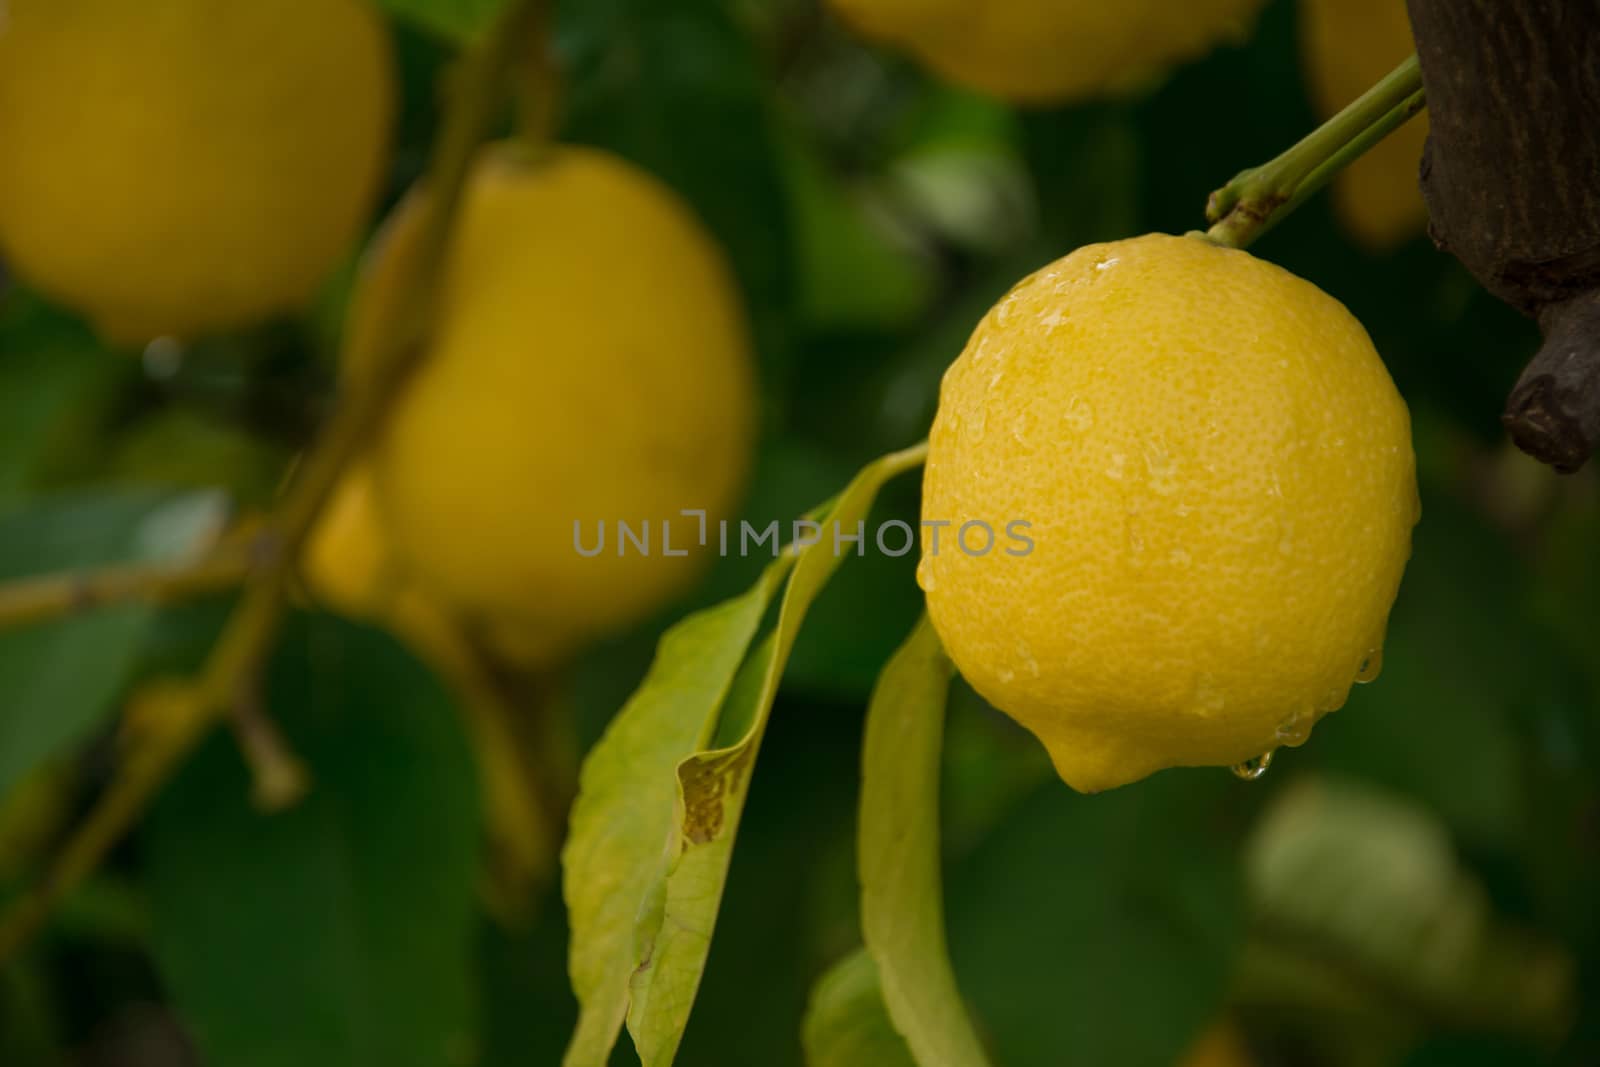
{"points": [[1346, 47], [187, 166], [1050, 50], [1218, 484], [589, 366]]}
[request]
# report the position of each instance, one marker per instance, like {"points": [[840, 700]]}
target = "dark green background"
{"points": [[872, 215]]}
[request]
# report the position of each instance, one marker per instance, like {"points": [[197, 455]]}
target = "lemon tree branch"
{"points": [[29, 601], [229, 679], [1250, 204]]}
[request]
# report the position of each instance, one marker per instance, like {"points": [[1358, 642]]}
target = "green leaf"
{"points": [[846, 1023], [853, 274], [1463, 664], [50, 366], [902, 900], [674, 933], [1077, 907], [457, 20], [339, 933], [624, 817], [62, 678]]}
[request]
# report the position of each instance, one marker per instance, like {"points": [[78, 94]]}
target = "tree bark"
{"points": [[1511, 175]]}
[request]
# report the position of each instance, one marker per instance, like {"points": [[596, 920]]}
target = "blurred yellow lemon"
{"points": [[185, 166], [1220, 1046], [1217, 481], [589, 368], [1347, 46], [1050, 50]]}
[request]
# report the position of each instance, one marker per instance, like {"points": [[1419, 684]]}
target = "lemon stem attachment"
{"points": [[1253, 202], [229, 679]]}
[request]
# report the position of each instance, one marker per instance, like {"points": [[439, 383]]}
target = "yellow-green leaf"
{"points": [[676, 939], [846, 1024], [902, 899], [624, 817]]}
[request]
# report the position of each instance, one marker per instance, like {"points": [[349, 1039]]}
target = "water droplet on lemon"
{"points": [[1252, 769]]}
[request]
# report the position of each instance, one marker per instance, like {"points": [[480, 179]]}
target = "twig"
{"points": [[236, 661], [281, 778], [1256, 199], [29, 601]]}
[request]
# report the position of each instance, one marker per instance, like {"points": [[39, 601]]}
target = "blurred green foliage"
{"points": [[871, 216]]}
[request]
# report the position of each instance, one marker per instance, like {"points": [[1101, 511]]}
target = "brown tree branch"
{"points": [[1511, 176]]}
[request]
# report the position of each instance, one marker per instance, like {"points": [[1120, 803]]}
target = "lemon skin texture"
{"points": [[1043, 51], [1346, 47], [1220, 484], [589, 364], [181, 167]]}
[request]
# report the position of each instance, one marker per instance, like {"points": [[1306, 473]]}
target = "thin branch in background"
{"points": [[31, 601], [281, 778]]}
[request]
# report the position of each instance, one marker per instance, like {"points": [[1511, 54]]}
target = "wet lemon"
{"points": [[1216, 476]]}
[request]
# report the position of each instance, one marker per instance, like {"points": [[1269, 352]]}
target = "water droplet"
{"points": [[1162, 469], [1107, 263], [925, 574], [1178, 557], [1079, 416], [1371, 666], [976, 423], [1296, 728], [1208, 699], [1006, 677], [1251, 769], [1118, 463], [162, 357], [1002, 313]]}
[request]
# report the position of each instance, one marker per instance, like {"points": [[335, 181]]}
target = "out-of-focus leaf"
{"points": [[62, 677], [1461, 664], [624, 820], [183, 449], [846, 1024], [674, 930], [49, 367], [27, 1019], [854, 272], [1077, 907], [458, 20], [902, 898], [1374, 881], [339, 933]]}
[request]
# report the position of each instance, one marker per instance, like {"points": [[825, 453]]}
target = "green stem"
{"points": [[1254, 201], [231, 673]]}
